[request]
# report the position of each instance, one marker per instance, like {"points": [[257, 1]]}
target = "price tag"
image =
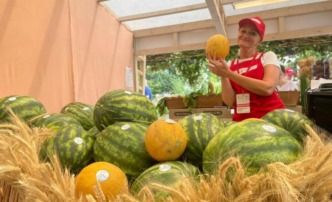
{"points": [[243, 103]]}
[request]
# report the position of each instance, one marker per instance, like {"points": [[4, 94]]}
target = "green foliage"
{"points": [[161, 106], [301, 47], [173, 82], [187, 65], [178, 86], [190, 100], [303, 87], [161, 81]]}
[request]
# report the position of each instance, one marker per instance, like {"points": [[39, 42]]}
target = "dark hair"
{"points": [[282, 67]]}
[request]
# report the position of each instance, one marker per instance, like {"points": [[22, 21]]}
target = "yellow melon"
{"points": [[217, 46], [165, 140], [255, 119], [112, 180]]}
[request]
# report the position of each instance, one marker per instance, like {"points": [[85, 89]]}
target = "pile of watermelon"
{"points": [[113, 130]]}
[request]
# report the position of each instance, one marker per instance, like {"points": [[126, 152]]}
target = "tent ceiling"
{"points": [[163, 26]]}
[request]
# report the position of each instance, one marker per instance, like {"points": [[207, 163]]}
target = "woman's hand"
{"points": [[218, 66]]}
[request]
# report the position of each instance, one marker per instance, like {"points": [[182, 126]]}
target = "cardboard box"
{"points": [[222, 113], [177, 114]]}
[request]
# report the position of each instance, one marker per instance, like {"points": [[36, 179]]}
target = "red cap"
{"points": [[289, 71], [257, 21]]}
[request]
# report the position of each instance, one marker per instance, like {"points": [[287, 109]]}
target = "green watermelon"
{"points": [[82, 112], [122, 144], [290, 120], [55, 121], [200, 129], [123, 105], [25, 107], [255, 141], [73, 146], [93, 132], [228, 123], [47, 149], [170, 174]]}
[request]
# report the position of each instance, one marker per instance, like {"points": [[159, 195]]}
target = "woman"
{"points": [[249, 82], [286, 82]]}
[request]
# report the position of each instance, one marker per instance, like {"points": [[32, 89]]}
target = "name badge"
{"points": [[243, 103]]}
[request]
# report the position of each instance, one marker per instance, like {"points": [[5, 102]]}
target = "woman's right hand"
{"points": [[218, 66]]}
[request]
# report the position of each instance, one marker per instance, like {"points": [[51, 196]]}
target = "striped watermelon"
{"points": [[82, 112], [55, 121], [257, 142], [291, 121], [47, 149], [73, 146], [228, 123], [170, 174], [122, 144], [93, 132], [25, 107], [122, 105], [200, 129]]}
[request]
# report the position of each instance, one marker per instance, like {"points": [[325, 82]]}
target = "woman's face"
{"points": [[248, 36]]}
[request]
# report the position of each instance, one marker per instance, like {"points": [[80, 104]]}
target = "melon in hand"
{"points": [[217, 46]]}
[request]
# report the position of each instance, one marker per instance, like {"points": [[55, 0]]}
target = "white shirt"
{"points": [[268, 58], [288, 86]]}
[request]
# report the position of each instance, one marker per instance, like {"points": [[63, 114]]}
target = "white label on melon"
{"points": [[164, 167], [46, 116], [125, 127], [78, 140], [86, 108], [289, 110], [170, 121], [198, 117], [270, 129], [128, 92], [12, 98], [102, 175]]}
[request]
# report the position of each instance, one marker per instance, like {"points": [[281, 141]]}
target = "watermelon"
{"points": [[25, 108], [82, 112], [200, 129], [256, 142], [228, 123], [73, 146], [122, 144], [93, 132], [47, 149], [55, 121], [170, 174], [290, 120], [122, 105]]}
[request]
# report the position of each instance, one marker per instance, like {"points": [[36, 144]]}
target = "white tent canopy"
{"points": [[163, 26]]}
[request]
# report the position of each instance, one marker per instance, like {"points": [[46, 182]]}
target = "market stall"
{"points": [[75, 124]]}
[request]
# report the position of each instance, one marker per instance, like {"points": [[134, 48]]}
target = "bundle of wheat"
{"points": [[21, 172]]}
